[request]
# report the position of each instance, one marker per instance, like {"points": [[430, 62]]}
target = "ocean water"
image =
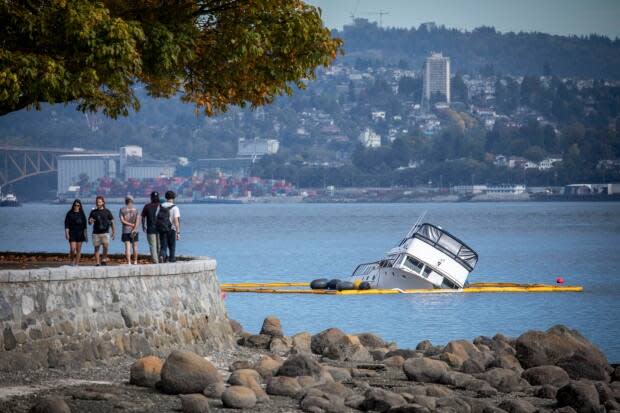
{"points": [[516, 242]]}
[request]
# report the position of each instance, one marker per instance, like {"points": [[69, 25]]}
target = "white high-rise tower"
{"points": [[436, 77]]}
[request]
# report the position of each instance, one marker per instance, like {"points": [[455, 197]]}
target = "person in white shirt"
{"points": [[169, 227]]}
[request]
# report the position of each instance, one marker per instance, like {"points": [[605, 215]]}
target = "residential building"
{"points": [[436, 77], [370, 139], [549, 163]]}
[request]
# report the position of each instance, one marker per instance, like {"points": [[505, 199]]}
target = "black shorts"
{"points": [[129, 238], [77, 236]]}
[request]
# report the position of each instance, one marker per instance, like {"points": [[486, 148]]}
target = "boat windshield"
{"points": [[448, 243]]}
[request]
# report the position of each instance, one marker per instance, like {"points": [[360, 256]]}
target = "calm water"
{"points": [[520, 242]]}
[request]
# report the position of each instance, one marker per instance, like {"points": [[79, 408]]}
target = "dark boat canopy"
{"points": [[447, 243]]}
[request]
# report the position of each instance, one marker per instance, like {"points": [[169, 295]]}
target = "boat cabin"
{"points": [[433, 253]]}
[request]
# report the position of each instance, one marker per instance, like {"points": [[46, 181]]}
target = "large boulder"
{"points": [[302, 364], [370, 340], [563, 347], [272, 327], [185, 372], [424, 369], [553, 375], [283, 386], [239, 397], [456, 352], [256, 341], [146, 371], [322, 342], [504, 380], [336, 345], [581, 396]]}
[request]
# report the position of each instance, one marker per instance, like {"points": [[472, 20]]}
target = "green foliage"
{"points": [[216, 53]]}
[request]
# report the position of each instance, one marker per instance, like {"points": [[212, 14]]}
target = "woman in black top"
{"points": [[75, 231]]}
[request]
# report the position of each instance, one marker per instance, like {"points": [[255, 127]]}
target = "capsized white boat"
{"points": [[428, 257]]}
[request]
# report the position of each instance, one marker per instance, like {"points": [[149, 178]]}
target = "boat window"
{"points": [[427, 271], [447, 243], [446, 283], [414, 265]]}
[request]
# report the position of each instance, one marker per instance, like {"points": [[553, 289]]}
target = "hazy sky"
{"points": [[549, 16]]}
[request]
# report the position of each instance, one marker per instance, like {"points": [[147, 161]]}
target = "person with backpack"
{"points": [[169, 227], [149, 225], [102, 220]]}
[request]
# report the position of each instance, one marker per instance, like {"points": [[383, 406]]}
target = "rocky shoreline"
{"points": [[558, 370]]}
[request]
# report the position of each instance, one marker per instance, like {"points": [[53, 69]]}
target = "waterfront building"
{"points": [[93, 166], [257, 147], [436, 77], [149, 170]]}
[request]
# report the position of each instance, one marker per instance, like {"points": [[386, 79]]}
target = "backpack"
{"points": [[162, 219]]}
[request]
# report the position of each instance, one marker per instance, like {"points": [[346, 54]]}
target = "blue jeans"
{"points": [[168, 242]]}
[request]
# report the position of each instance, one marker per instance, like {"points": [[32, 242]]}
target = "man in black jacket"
{"points": [[102, 220], [149, 221]]}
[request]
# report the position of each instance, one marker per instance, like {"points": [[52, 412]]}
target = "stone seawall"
{"points": [[76, 316]]}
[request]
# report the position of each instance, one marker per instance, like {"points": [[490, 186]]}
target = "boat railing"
{"points": [[365, 268]]}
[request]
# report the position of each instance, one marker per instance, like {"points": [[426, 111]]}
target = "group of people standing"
{"points": [[160, 220]]}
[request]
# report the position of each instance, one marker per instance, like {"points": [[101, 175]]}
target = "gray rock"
{"points": [[239, 397], [546, 391], [553, 375], [194, 403], [256, 341], [379, 400], [424, 345], [563, 347], [339, 373], [424, 370], [51, 405], [581, 396], [320, 343], [283, 386], [9, 339], [517, 406], [185, 372], [504, 380], [272, 327], [300, 365]]}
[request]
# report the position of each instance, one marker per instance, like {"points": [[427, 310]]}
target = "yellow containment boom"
{"points": [[276, 288]]}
